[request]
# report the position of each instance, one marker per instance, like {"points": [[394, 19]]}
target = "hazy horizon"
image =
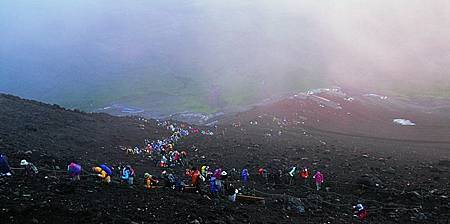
{"points": [[200, 55]]}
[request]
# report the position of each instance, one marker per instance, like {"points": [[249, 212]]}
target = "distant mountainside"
{"points": [[28, 125], [360, 114]]}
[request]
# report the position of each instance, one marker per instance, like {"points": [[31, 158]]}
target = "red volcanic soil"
{"points": [[354, 113], [399, 177]]}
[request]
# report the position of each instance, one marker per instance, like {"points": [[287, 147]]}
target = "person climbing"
{"points": [[244, 176], [183, 158], [128, 175], [150, 181], [176, 157], [264, 174], [318, 179], [213, 188], [74, 171], [221, 175], [29, 168], [231, 192], [149, 148], [179, 184], [104, 172], [304, 174], [5, 170], [195, 176], [217, 172], [292, 172], [360, 212], [163, 162], [204, 171]]}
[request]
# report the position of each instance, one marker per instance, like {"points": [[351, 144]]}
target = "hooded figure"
{"points": [[74, 171], [244, 176], [128, 175], [318, 179], [103, 172]]}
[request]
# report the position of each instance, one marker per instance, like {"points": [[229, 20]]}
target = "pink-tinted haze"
{"points": [[393, 44]]}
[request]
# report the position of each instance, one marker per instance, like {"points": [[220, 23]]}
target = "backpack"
{"points": [[131, 171], [106, 169]]}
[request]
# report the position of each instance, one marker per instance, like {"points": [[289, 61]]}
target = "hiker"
{"points": [[292, 173], [5, 170], [304, 174], [264, 174], [137, 150], [213, 188], [360, 212], [183, 158], [176, 157], [150, 181], [244, 176], [74, 171], [195, 176], [204, 171], [318, 179], [168, 179], [163, 162], [29, 168], [218, 179], [149, 148], [172, 181], [104, 172], [217, 173], [179, 184], [128, 174], [231, 192]]}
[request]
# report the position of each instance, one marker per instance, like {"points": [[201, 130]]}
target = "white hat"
{"points": [[224, 173], [23, 162]]}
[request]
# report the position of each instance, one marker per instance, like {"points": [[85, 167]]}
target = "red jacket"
{"points": [[195, 175]]}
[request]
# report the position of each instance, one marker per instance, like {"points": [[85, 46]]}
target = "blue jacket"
{"points": [[212, 185], [244, 175], [126, 174]]}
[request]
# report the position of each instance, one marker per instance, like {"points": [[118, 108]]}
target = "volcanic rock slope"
{"points": [[397, 180]]}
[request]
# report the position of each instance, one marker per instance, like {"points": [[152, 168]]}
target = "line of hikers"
{"points": [[163, 151], [217, 180]]}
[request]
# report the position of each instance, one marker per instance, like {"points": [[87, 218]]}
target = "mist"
{"points": [[88, 54]]}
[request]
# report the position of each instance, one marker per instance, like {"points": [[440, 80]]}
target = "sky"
{"points": [[70, 52]]}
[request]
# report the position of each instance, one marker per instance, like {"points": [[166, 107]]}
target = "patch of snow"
{"points": [[404, 122], [376, 95]]}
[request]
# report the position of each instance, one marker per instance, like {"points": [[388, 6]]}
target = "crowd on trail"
{"points": [[220, 183], [163, 151]]}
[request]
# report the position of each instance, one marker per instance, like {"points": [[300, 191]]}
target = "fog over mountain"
{"points": [[208, 55]]}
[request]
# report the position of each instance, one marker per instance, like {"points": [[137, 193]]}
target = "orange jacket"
{"points": [[195, 175]]}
